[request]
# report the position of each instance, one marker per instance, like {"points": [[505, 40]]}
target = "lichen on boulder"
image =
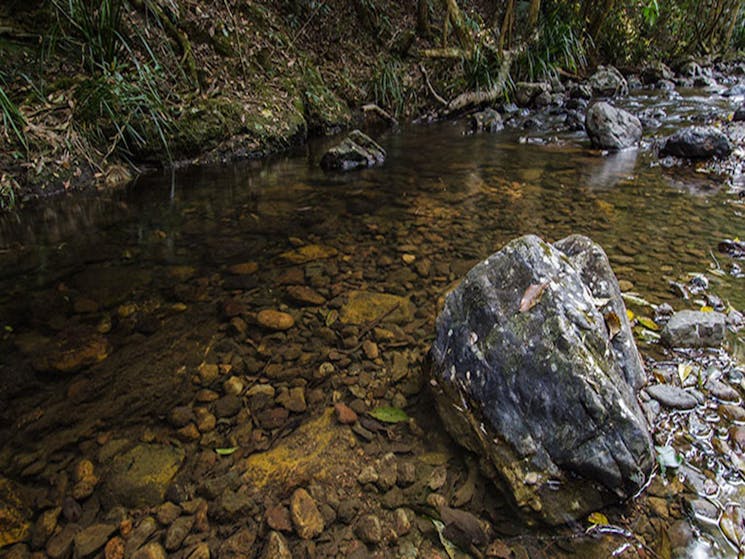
{"points": [[534, 367]]}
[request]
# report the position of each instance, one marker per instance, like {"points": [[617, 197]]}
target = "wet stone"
{"points": [[695, 329], [178, 531], [205, 421], [278, 518], [722, 391], [139, 535], [306, 517], [114, 548], [672, 396], [275, 320], [140, 476], [402, 524], [387, 472], [227, 406], [369, 529], [152, 550], [168, 512], [731, 412], [406, 474], [200, 551], [44, 527], [293, 399], [239, 545], [344, 414], [273, 418], [305, 295], [60, 545], [276, 547], [92, 538]]}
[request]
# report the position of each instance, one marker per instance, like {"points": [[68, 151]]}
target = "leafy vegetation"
{"points": [[13, 120], [387, 86], [120, 105], [559, 43]]}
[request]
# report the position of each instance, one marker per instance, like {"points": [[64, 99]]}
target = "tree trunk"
{"points": [[533, 13]]}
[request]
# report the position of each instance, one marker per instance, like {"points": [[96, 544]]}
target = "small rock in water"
{"points": [[344, 414], [92, 538], [672, 396], [305, 295], [276, 547], [306, 517], [612, 128], [356, 151], [369, 529], [695, 329], [275, 320], [722, 391]]}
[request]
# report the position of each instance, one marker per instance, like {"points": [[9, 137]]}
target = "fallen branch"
{"points": [[446, 52], [373, 108], [471, 99], [431, 89]]}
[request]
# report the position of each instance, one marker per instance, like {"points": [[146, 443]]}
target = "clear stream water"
{"points": [[448, 198]]}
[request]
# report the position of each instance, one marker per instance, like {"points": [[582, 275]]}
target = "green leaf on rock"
{"points": [[388, 414], [226, 451], [667, 457], [331, 317], [648, 323]]}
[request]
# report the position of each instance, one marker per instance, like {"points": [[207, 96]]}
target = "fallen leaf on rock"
{"points": [[613, 323], [446, 543], [684, 371], [532, 296], [648, 323], [598, 518]]}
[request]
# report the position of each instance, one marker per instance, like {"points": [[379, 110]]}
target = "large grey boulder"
{"points": [[695, 329], [533, 366], [612, 128], [607, 81], [697, 142], [353, 152]]}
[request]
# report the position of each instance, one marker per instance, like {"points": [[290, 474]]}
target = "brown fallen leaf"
{"points": [[532, 296], [613, 323]]}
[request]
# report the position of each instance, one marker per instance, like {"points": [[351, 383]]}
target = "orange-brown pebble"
{"points": [[344, 414], [275, 320]]}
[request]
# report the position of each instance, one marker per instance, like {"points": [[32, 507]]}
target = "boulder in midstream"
{"points": [[612, 128], [527, 373]]}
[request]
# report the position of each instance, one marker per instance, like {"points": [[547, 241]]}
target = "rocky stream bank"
{"points": [[271, 398]]}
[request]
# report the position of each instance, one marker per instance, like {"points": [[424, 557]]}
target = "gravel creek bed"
{"points": [[196, 367]]}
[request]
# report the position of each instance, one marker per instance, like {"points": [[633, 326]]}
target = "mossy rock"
{"points": [[367, 306], [140, 476], [325, 112]]}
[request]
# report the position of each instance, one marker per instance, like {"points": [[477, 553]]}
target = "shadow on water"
{"points": [[80, 263]]}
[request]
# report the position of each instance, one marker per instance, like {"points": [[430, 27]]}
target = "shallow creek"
{"points": [[119, 308]]}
